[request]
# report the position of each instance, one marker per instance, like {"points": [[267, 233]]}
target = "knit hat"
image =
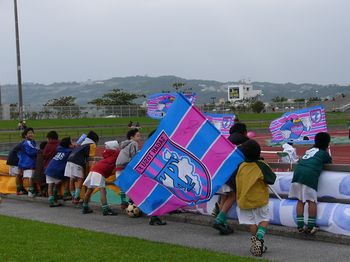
{"points": [[114, 145]]}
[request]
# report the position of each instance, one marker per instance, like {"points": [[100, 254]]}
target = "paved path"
{"points": [[280, 248]]}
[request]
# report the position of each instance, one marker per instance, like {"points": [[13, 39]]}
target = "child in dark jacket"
{"points": [[51, 147], [39, 176], [78, 164], [305, 181], [12, 162], [97, 178]]}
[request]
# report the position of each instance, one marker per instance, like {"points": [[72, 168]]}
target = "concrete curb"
{"points": [[199, 219]]}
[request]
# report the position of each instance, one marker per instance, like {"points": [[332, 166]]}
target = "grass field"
{"points": [[104, 127], [26, 240], [117, 127]]}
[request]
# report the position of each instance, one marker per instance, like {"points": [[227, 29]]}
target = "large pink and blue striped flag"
{"points": [[222, 122], [299, 126], [182, 164]]}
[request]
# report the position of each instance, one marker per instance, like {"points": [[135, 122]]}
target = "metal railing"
{"points": [[59, 112]]}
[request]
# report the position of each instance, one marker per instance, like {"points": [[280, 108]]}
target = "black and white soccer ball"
{"points": [[133, 211]]}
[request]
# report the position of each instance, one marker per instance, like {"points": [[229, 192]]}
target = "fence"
{"points": [[58, 112], [61, 112]]}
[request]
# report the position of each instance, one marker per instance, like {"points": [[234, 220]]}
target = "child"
{"points": [[97, 178], [305, 181], [291, 151], [238, 133], [51, 147], [39, 176], [252, 178], [12, 162], [227, 195], [78, 162], [55, 169], [128, 149], [27, 157]]}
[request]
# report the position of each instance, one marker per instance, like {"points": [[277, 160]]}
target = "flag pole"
{"points": [[276, 194]]}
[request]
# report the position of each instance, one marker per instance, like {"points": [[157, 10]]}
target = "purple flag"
{"points": [[299, 126], [222, 122], [159, 104]]}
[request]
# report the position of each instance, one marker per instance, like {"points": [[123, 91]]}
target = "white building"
{"points": [[237, 92]]}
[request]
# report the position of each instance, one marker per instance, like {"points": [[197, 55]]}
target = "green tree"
{"points": [[62, 107], [115, 97], [61, 101], [178, 86], [257, 106]]}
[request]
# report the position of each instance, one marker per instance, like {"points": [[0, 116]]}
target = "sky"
{"points": [[281, 41]]}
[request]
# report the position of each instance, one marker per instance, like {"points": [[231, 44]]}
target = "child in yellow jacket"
{"points": [[252, 178]]}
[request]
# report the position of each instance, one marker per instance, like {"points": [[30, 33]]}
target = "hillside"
{"points": [[38, 94]]}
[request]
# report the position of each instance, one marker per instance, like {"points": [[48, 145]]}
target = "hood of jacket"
{"points": [[125, 143], [110, 153]]}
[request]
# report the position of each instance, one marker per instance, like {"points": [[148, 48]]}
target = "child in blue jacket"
{"points": [[27, 157], [55, 169]]}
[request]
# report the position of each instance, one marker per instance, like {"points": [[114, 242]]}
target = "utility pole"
{"points": [[19, 76], [1, 114]]}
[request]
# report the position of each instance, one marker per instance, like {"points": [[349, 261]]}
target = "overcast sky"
{"points": [[225, 40]]}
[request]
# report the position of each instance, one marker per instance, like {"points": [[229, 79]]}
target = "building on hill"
{"points": [[240, 91]]}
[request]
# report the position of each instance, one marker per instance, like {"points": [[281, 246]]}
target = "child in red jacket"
{"points": [[97, 178]]}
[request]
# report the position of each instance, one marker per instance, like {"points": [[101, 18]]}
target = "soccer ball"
{"points": [[133, 211]]}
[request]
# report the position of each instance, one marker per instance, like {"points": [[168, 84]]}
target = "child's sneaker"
{"points": [[257, 247], [109, 212], [87, 210], [301, 230], [224, 229], [30, 194], [154, 220], [55, 204], [67, 197], [21, 192], [311, 230], [263, 247]]}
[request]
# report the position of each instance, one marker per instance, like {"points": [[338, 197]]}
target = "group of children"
{"points": [[72, 164], [58, 162], [67, 162], [249, 188]]}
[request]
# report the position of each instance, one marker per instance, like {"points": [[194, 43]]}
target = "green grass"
{"points": [[26, 240], [104, 127], [80, 122], [40, 135]]}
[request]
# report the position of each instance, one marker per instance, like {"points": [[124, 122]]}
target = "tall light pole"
{"points": [[19, 76]]}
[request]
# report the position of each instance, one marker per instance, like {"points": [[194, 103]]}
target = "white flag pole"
{"points": [[273, 191]]}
